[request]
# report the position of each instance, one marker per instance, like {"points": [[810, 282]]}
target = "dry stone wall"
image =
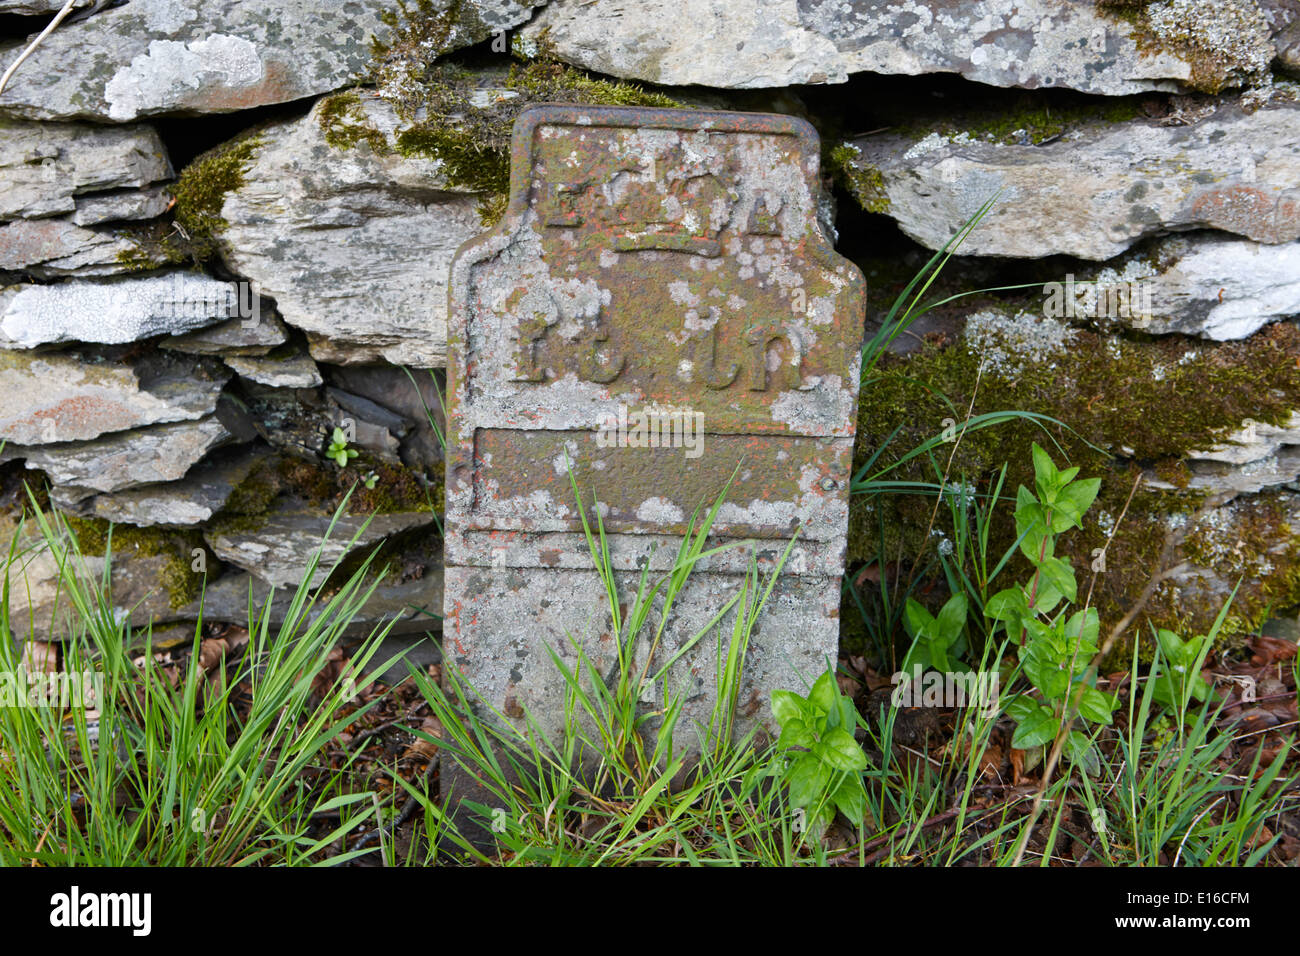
{"points": [[226, 233]]}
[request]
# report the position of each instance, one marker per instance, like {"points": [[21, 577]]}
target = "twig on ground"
{"points": [[934, 821], [402, 815]]}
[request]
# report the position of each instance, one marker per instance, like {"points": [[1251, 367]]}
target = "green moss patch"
{"points": [[864, 182], [1225, 44], [442, 109], [203, 186], [317, 484], [1132, 404], [178, 578]]}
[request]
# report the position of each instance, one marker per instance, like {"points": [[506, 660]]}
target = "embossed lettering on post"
{"points": [[658, 273]]}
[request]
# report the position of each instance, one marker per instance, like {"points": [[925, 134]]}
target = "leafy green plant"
{"points": [[1180, 680], [338, 451], [825, 761], [1055, 650], [937, 641], [887, 471]]}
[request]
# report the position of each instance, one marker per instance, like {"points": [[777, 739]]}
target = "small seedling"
{"points": [[339, 450]]}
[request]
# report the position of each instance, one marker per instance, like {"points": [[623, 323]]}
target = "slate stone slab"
{"points": [[665, 266]]}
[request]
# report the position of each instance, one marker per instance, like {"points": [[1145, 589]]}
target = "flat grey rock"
{"points": [[1203, 284], [32, 8], [46, 398], [55, 248], [1096, 190], [213, 56], [296, 371], [279, 550], [1221, 481], [255, 335], [44, 167], [353, 247], [118, 206], [113, 311], [1021, 43], [125, 460], [191, 500], [1253, 442]]}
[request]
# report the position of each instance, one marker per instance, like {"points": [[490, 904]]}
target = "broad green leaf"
{"points": [[1046, 595], [1096, 705], [848, 714], [1042, 633], [918, 656], [1008, 604], [952, 618], [916, 619], [841, 751], [1028, 510], [938, 654], [823, 693], [787, 706], [1020, 707], [1073, 501], [1172, 646], [1045, 473], [1083, 628], [1038, 727], [807, 780], [1044, 672], [1037, 543], [1060, 575], [851, 799], [796, 733]]}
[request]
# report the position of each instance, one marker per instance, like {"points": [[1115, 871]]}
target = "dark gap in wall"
{"points": [[868, 102], [187, 136], [14, 26]]}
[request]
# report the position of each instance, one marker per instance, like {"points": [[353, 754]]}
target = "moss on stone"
{"points": [[1224, 44], [419, 34], [1033, 123], [864, 182], [1125, 418], [202, 188], [344, 124], [177, 577], [473, 141], [157, 246], [322, 485], [468, 161], [1251, 544], [399, 557], [441, 105], [1023, 119]]}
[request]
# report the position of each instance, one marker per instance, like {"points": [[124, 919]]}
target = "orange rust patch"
{"points": [[278, 85], [1250, 211]]}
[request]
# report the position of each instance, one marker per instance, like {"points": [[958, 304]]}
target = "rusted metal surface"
{"points": [[657, 313]]}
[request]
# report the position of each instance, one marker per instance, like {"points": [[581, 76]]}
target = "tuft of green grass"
{"points": [[172, 773], [607, 788]]}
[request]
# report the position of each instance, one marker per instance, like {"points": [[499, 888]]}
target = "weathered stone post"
{"points": [[658, 306]]}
